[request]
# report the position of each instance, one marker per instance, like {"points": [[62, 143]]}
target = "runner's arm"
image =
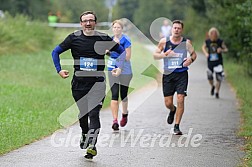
{"points": [[128, 53], [56, 59], [224, 47], [121, 51], [204, 50], [188, 61], [191, 50], [127, 46], [158, 54]]}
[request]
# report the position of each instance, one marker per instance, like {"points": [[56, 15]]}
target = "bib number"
{"points": [[175, 62], [214, 57], [88, 64], [111, 63]]}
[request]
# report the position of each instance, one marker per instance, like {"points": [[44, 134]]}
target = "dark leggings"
{"points": [[89, 97], [120, 85]]}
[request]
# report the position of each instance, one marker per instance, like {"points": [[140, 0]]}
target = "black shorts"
{"points": [[219, 75], [211, 65], [175, 82]]}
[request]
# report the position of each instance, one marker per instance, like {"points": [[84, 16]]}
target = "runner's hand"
{"points": [[107, 52], [117, 40], [116, 72], [64, 74], [219, 50], [169, 52], [187, 62]]}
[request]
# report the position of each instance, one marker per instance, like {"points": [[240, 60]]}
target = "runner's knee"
{"points": [[115, 92], [94, 113], [219, 77], [209, 75], [124, 93], [115, 97], [124, 99], [168, 103], [180, 98]]}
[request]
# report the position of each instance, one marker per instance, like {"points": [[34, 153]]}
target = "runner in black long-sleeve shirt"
{"points": [[88, 84]]}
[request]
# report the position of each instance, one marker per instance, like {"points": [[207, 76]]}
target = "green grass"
{"points": [[19, 34], [238, 77], [33, 96]]}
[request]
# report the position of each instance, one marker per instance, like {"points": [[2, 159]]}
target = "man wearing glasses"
{"points": [[88, 48]]}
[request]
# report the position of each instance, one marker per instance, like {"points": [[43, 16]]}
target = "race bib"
{"points": [[88, 64], [213, 57], [111, 63], [175, 62]]}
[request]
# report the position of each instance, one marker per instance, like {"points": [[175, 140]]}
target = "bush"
{"points": [[19, 35]]}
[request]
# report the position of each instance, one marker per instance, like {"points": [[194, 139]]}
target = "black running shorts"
{"points": [[175, 82]]}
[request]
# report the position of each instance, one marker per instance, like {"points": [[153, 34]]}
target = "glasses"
{"points": [[90, 21]]}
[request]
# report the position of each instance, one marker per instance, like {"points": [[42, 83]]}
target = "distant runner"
{"points": [[213, 49]]}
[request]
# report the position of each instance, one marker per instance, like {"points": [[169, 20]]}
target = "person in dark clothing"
{"points": [[88, 48], [213, 48]]}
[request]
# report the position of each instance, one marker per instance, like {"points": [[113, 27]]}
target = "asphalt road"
{"points": [[209, 125]]}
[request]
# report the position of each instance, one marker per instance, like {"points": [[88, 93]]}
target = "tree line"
{"points": [[232, 18]]}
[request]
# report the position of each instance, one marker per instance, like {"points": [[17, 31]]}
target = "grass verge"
{"points": [[20, 35], [238, 77], [31, 96]]}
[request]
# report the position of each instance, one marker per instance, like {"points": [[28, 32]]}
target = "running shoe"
{"points": [[217, 95], [212, 90], [83, 142], [177, 130], [124, 120], [115, 125], [170, 118], [91, 152]]}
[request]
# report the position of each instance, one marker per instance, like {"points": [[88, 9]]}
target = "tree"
{"points": [[199, 6], [39, 9], [244, 21], [30, 8], [147, 12], [126, 9], [74, 8]]}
